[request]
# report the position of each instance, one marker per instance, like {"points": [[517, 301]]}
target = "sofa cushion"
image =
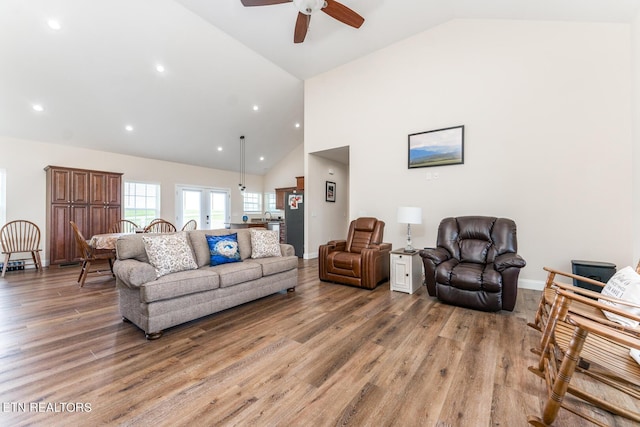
{"points": [[236, 272], [274, 265], [178, 284], [223, 249], [169, 253], [244, 243], [131, 246], [198, 239], [264, 243]]}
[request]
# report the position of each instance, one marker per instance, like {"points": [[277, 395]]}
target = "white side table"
{"points": [[406, 271]]}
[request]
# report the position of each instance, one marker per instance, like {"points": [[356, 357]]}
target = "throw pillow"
{"points": [[264, 243], [624, 285], [169, 253], [223, 249]]}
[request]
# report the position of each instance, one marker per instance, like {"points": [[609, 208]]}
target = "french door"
{"points": [[209, 207]]}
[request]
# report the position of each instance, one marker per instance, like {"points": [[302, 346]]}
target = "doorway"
{"points": [[209, 207]]}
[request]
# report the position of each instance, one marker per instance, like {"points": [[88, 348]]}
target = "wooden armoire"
{"points": [[92, 199]]}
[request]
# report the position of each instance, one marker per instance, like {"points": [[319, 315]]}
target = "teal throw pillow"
{"points": [[223, 249]]}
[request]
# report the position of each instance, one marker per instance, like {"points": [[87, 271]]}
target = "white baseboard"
{"points": [[311, 255], [536, 285]]}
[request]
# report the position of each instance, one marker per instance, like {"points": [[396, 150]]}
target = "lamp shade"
{"points": [[409, 215]]}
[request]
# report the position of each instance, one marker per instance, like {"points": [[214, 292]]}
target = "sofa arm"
{"points": [[287, 249], [504, 261], [133, 273]]}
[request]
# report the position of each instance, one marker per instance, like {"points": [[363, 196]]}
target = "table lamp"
{"points": [[409, 215]]}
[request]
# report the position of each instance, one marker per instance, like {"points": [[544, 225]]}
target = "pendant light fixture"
{"points": [[242, 185]]}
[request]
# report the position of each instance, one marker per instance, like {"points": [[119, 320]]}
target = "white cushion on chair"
{"points": [[624, 285]]}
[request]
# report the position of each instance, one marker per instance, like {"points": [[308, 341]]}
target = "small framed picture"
{"points": [[330, 191], [438, 147]]}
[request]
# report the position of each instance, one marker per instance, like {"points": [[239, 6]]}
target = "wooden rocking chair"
{"points": [[578, 340]]}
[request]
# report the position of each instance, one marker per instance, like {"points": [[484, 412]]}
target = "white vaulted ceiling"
{"points": [[97, 73]]}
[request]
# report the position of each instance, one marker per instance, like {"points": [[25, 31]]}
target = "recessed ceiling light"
{"points": [[261, 158], [160, 68], [54, 24], [256, 108], [297, 125], [37, 107], [219, 148], [128, 128]]}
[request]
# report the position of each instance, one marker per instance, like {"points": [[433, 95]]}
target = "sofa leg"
{"points": [[291, 289], [153, 335], [125, 320]]}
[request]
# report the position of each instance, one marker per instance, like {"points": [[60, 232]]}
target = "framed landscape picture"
{"points": [[438, 147]]}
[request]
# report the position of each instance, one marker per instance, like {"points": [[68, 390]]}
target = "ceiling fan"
{"points": [[308, 7]]}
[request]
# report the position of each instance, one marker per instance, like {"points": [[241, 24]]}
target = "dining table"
{"points": [[105, 241]]}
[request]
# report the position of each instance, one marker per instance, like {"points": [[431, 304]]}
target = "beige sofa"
{"points": [[156, 303]]}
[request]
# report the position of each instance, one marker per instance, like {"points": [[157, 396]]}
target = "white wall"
{"points": [[636, 135], [25, 162], [548, 123], [284, 173]]}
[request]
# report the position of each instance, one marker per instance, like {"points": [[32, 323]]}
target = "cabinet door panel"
{"points": [[60, 186], [114, 189], [98, 215], [59, 246], [98, 188], [79, 215], [79, 186]]}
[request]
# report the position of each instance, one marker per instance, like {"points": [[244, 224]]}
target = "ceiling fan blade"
{"points": [[343, 14], [248, 3], [302, 25]]}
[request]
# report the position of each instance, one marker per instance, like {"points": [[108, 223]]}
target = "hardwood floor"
{"points": [[324, 355]]}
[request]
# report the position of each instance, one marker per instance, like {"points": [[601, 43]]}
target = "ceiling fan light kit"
{"points": [[306, 8], [309, 6]]}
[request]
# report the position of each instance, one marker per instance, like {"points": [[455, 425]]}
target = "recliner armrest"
{"points": [[337, 245], [380, 246], [504, 261], [436, 255]]}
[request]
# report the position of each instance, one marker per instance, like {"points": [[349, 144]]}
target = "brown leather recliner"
{"points": [[475, 263], [362, 260]]}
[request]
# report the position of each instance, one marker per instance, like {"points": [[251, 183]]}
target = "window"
{"points": [[141, 202], [252, 202], [270, 202]]}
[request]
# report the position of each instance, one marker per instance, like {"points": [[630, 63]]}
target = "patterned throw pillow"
{"points": [[169, 253], [264, 243], [223, 249]]}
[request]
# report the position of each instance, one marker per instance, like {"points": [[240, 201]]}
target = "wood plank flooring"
{"points": [[324, 355]]}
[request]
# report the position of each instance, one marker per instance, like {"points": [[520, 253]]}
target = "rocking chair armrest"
{"points": [[589, 280]]}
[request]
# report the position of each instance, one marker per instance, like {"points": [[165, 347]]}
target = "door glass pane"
{"points": [[218, 209], [191, 206]]}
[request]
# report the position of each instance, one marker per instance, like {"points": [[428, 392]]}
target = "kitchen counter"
{"points": [[236, 225]]}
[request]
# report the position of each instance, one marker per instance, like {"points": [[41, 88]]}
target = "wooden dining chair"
{"points": [[20, 236], [190, 225], [123, 226], [89, 255], [160, 226], [587, 356]]}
